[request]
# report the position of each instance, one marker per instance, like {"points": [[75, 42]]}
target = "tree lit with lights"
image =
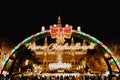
{"points": [[5, 47]]}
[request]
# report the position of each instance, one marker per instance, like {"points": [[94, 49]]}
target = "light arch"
{"points": [[42, 33]]}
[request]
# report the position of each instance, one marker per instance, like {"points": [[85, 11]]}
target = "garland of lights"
{"points": [[42, 33]]}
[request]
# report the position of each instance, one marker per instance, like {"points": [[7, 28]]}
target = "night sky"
{"points": [[20, 20]]}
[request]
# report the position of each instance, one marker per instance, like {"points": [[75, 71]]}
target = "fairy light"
{"points": [[43, 28], [78, 28], [26, 62]]}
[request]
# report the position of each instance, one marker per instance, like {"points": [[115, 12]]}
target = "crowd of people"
{"points": [[61, 77]]}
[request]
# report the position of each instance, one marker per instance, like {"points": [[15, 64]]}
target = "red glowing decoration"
{"points": [[60, 32]]}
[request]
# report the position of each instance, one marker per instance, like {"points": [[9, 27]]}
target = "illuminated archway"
{"points": [[46, 33], [57, 31]]}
